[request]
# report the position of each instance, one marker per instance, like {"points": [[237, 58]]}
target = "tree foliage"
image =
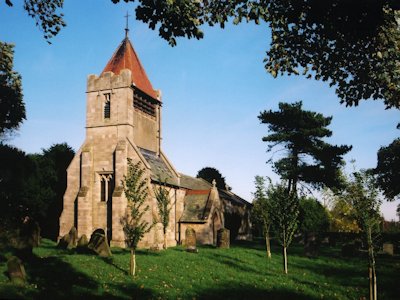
{"points": [[313, 217], [362, 190], [354, 45], [260, 213], [33, 185], [388, 169], [164, 207], [12, 107], [209, 174], [136, 191], [45, 14], [308, 157], [285, 208]]}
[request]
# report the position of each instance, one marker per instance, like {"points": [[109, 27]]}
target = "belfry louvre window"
{"points": [[144, 103], [107, 106]]}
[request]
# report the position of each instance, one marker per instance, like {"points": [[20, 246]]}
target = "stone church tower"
{"points": [[123, 120]]}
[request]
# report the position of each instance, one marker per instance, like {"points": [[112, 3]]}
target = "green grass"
{"points": [[242, 272]]}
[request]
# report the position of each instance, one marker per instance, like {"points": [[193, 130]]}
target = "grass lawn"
{"points": [[242, 272]]}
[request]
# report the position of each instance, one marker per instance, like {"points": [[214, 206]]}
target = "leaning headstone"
{"points": [[99, 244], [16, 270], [82, 242], [190, 240], [388, 248], [223, 238], [69, 241]]}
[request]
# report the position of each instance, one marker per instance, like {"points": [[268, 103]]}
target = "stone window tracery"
{"points": [[106, 187]]}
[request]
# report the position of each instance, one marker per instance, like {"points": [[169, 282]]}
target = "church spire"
{"points": [[125, 57]]}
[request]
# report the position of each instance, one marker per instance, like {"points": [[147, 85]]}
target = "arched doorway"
{"points": [[216, 225]]}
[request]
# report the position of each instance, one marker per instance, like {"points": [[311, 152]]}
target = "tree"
{"points": [[351, 44], [285, 208], [33, 186], [46, 15], [57, 158], [261, 211], [343, 215], [309, 158], [388, 169], [313, 217], [364, 194], [136, 192], [209, 174], [164, 208], [12, 107]]}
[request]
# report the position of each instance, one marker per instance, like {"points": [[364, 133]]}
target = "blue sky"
{"points": [[212, 91]]}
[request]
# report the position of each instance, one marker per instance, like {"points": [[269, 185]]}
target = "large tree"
{"points": [[12, 107], [46, 14], [354, 45], [388, 169], [313, 217], [308, 157], [209, 174]]}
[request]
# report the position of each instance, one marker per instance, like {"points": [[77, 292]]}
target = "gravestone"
{"points": [[388, 248], [16, 270], [223, 238], [82, 242], [190, 240], [69, 241], [311, 246], [99, 244]]}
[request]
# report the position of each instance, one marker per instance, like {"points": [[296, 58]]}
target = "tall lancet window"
{"points": [[106, 187], [107, 106]]}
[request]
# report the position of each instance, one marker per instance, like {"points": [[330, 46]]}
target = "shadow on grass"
{"points": [[110, 261], [52, 278], [250, 292]]}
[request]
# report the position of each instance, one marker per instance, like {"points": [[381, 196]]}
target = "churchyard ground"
{"points": [[241, 272]]}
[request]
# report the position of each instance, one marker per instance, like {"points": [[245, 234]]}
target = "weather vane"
{"points": [[127, 25]]}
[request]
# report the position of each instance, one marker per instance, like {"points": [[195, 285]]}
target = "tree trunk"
{"points": [[375, 284], [132, 268], [371, 285], [267, 244], [165, 241], [285, 268]]}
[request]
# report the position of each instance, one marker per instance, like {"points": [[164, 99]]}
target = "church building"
{"points": [[123, 120]]}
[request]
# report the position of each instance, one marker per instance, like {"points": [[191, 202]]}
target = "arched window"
{"points": [[106, 187]]}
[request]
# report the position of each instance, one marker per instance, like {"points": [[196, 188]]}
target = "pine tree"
{"points": [[136, 191], [309, 158]]}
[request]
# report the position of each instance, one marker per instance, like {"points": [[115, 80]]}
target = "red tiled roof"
{"points": [[125, 57]]}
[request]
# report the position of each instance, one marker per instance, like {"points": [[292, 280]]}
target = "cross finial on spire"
{"points": [[127, 25]]}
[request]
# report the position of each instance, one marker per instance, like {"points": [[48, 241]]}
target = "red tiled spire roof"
{"points": [[125, 57]]}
